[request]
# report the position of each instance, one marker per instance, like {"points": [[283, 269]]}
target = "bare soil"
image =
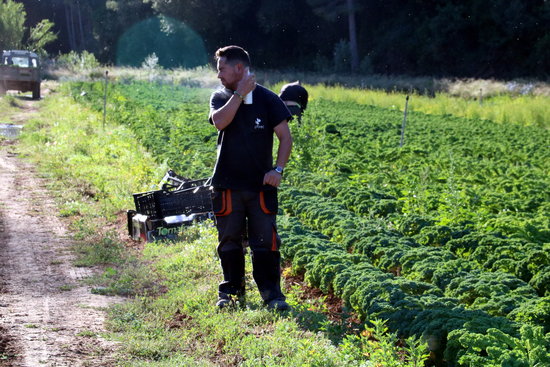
{"points": [[48, 316]]}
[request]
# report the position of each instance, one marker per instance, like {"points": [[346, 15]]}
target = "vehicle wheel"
{"points": [[36, 91]]}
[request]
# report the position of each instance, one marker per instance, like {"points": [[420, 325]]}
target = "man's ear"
{"points": [[240, 67]]}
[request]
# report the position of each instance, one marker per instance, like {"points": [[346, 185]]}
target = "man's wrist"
{"points": [[239, 95], [278, 169]]}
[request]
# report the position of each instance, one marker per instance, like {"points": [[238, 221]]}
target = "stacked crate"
{"points": [[160, 214]]}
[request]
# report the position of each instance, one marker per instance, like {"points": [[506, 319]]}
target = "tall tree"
{"points": [[12, 24], [332, 9], [214, 20], [350, 4], [78, 18], [111, 19], [298, 38], [14, 34], [462, 38], [41, 35]]}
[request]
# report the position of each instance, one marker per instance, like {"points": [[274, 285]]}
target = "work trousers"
{"points": [[248, 215]]}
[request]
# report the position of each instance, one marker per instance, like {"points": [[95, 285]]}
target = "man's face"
{"points": [[229, 74]]}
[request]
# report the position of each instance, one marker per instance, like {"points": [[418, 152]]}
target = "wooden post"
{"points": [[404, 123], [105, 97]]}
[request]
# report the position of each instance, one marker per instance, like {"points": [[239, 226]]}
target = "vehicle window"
{"points": [[20, 61], [34, 63]]}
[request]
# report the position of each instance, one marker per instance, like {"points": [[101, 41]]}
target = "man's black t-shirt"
{"points": [[245, 146]]}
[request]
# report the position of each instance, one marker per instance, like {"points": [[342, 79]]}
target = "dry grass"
{"points": [[468, 88], [205, 77]]}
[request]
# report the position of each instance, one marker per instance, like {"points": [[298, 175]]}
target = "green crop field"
{"points": [[446, 237]]}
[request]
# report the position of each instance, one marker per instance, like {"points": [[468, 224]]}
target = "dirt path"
{"points": [[47, 316]]}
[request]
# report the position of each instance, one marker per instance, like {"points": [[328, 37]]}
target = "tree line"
{"points": [[458, 38]]}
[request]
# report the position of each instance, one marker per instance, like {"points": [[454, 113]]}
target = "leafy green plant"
{"points": [[496, 348], [382, 348]]}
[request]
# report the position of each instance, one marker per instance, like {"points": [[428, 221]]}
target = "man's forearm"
{"points": [[283, 153], [282, 131], [223, 116]]}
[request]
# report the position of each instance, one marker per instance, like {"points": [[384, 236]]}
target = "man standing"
{"points": [[245, 180]]}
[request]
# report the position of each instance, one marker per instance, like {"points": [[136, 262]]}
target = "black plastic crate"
{"points": [[192, 200], [146, 203], [160, 203]]}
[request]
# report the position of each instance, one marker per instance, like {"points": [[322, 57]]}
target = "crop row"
{"points": [[340, 218], [492, 290], [411, 307], [452, 170]]}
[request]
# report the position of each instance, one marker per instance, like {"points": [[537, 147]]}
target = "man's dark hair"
{"points": [[233, 54]]}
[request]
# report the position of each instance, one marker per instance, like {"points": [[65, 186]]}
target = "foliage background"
{"points": [[470, 38]]}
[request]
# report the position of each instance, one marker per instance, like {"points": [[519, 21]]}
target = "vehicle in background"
{"points": [[20, 70]]}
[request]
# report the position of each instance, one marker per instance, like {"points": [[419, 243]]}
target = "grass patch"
{"points": [[92, 169], [183, 327], [87, 334], [184, 321], [67, 287], [97, 163], [106, 250], [132, 277], [8, 106], [205, 77], [11, 101]]}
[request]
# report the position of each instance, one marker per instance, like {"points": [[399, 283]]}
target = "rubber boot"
{"points": [[232, 263], [267, 274]]}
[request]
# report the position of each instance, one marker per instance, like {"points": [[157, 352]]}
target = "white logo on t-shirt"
{"points": [[258, 124]]}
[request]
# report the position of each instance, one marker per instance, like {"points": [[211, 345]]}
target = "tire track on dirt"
{"points": [[47, 316]]}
